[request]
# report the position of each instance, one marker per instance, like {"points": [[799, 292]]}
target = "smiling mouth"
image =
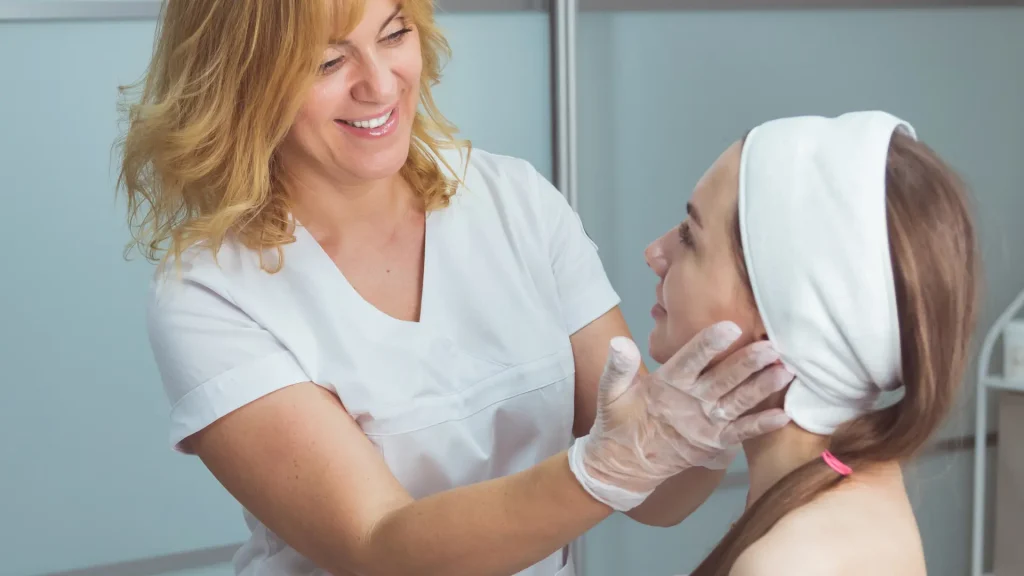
{"points": [[372, 122]]}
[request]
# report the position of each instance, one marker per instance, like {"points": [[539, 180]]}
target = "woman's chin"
{"points": [[656, 346], [376, 165]]}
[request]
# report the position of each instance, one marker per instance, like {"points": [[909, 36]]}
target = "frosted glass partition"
{"points": [[661, 94], [87, 475]]}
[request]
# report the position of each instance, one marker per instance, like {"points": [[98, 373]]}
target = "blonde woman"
{"points": [[849, 244], [381, 344]]}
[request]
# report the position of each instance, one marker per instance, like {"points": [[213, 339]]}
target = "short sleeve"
{"points": [[583, 286], [212, 357]]}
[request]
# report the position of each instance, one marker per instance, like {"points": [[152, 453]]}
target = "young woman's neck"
{"points": [[773, 456]]}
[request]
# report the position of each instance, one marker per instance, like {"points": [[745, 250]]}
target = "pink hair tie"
{"points": [[835, 464]]}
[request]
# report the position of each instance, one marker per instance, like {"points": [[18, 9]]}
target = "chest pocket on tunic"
{"points": [[504, 422]]}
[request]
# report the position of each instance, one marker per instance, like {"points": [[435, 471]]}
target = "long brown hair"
{"points": [[936, 269], [226, 79]]}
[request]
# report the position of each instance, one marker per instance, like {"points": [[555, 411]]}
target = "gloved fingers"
{"points": [[619, 371], [754, 425], [751, 392], [685, 366], [734, 370], [723, 460]]}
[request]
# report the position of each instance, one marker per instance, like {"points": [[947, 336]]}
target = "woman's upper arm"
{"points": [[284, 447], [297, 461], [584, 291]]}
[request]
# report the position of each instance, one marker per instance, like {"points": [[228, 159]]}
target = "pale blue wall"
{"points": [[662, 94], [86, 472]]}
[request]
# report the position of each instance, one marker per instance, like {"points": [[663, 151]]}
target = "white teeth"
{"points": [[372, 123]]}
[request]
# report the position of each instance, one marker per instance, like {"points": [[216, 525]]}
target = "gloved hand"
{"points": [[653, 427]]}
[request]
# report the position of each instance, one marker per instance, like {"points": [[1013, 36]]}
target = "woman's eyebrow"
{"points": [[394, 14], [691, 211]]}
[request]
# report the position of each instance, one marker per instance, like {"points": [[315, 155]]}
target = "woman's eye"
{"points": [[396, 37], [390, 39], [331, 64]]}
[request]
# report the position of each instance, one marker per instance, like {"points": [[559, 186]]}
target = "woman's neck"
{"points": [[773, 456], [328, 209]]}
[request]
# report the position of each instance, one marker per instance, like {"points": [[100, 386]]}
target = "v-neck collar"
{"points": [[367, 310]]}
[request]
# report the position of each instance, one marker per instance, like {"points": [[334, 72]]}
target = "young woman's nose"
{"points": [[655, 256]]}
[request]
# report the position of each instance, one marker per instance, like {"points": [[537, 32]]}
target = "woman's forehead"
{"points": [[716, 192]]}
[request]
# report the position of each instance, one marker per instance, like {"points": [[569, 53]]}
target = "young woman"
{"points": [[849, 245]]}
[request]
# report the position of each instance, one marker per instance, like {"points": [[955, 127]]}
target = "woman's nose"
{"points": [[378, 83], [655, 257]]}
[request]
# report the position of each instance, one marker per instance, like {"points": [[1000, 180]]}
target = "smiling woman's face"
{"points": [[698, 263], [356, 123]]}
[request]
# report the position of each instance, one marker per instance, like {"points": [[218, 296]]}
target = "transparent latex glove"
{"points": [[650, 428]]}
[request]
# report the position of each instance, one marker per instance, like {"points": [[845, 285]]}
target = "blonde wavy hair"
{"points": [[224, 85]]}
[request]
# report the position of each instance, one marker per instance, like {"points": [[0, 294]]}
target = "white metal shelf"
{"points": [[988, 382], [1001, 384]]}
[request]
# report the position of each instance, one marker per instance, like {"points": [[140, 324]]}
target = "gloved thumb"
{"points": [[619, 371]]}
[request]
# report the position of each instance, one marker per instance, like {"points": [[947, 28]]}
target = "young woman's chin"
{"points": [[657, 346]]}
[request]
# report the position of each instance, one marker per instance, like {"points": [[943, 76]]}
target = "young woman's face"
{"points": [[356, 123], [701, 282]]}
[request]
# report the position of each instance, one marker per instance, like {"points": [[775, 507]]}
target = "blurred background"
{"points": [[88, 483]]}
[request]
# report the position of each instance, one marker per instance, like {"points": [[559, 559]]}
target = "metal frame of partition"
{"points": [[563, 71]]}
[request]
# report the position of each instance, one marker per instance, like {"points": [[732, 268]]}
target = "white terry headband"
{"points": [[812, 216]]}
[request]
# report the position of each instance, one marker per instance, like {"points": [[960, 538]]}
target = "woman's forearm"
{"points": [[494, 528], [677, 497]]}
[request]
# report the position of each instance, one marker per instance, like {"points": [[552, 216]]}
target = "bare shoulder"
{"points": [[865, 526]]}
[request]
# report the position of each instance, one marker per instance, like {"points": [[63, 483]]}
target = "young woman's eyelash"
{"points": [[685, 235]]}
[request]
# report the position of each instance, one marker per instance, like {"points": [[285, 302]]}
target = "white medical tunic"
{"points": [[480, 387]]}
